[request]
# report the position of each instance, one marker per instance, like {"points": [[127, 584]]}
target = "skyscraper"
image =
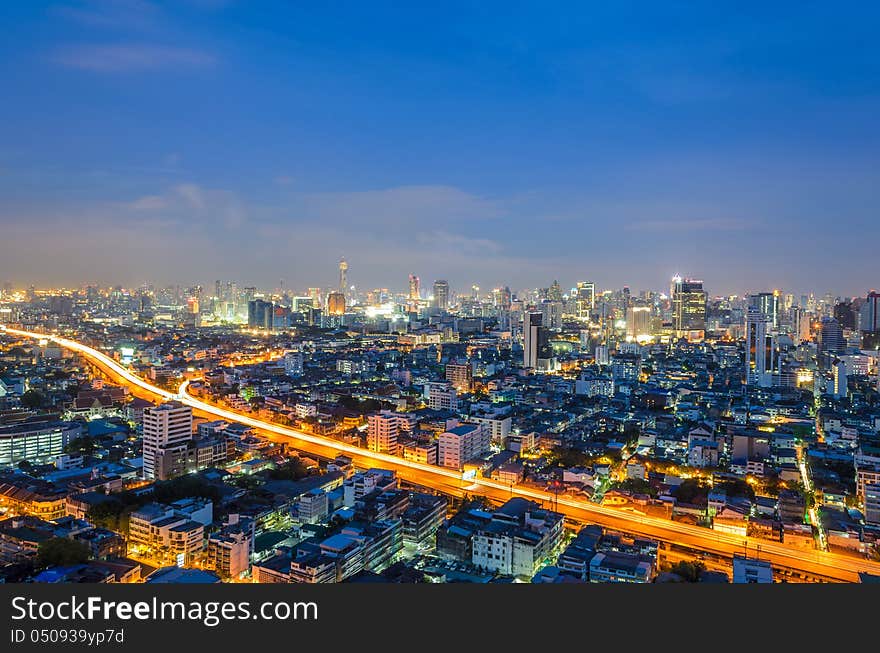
{"points": [[831, 342], [167, 428], [414, 287], [531, 329], [586, 299], [343, 276], [688, 305], [441, 294], [869, 321], [760, 352], [768, 304]]}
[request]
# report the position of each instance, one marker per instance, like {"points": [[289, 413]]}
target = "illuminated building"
{"points": [[35, 442], [585, 299], [461, 376], [382, 432], [531, 330], [336, 304], [638, 323], [414, 287], [688, 306], [767, 303], [167, 427], [462, 443], [839, 381], [261, 314], [760, 357], [551, 312], [441, 396], [518, 538], [831, 341], [441, 294], [343, 276]]}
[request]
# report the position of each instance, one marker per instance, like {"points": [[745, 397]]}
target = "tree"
{"points": [[290, 470], [84, 445], [33, 399], [690, 571], [62, 551]]}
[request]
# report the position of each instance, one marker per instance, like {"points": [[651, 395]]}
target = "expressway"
{"points": [[815, 563]]}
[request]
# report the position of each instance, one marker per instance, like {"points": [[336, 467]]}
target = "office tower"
{"points": [[846, 315], [768, 304], [382, 432], [336, 304], [586, 299], [688, 305], [555, 292], [831, 342], [441, 294], [261, 314], [531, 327], [551, 313], [869, 321], [602, 356], [760, 353], [461, 376], [167, 428], [414, 287], [638, 323], [839, 382], [343, 276]]}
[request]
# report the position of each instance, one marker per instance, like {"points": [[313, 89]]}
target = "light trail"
{"points": [[818, 563]]}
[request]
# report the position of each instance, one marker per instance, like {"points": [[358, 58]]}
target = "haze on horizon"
{"points": [[163, 142]]}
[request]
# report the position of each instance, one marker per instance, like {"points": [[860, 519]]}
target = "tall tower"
{"points": [[343, 276], [760, 351], [414, 287], [441, 294], [167, 427], [531, 330]]}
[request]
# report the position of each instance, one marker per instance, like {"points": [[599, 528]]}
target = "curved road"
{"points": [[821, 564]]}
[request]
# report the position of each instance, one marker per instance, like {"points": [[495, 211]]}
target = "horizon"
{"points": [[484, 144]]}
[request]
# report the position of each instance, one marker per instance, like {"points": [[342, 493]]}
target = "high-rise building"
{"points": [[551, 312], [167, 428], [831, 342], [261, 314], [461, 376], [531, 328], [336, 304], [586, 299], [839, 380], [760, 353], [638, 323], [441, 294], [870, 314], [688, 305], [343, 276], [768, 304], [414, 287], [462, 443], [382, 432]]}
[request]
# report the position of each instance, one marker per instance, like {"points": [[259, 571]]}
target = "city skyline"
{"points": [[514, 146]]}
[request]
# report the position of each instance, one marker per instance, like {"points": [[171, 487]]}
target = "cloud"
{"points": [[114, 58], [147, 203], [110, 14], [707, 224], [192, 195], [401, 206]]}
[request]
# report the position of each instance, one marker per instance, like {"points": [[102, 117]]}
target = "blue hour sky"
{"points": [[482, 142]]}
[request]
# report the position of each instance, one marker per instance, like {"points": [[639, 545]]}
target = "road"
{"points": [[821, 564]]}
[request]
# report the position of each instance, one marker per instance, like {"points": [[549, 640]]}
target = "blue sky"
{"points": [[481, 142]]}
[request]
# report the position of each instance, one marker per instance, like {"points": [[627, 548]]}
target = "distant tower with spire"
{"points": [[343, 276]]}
